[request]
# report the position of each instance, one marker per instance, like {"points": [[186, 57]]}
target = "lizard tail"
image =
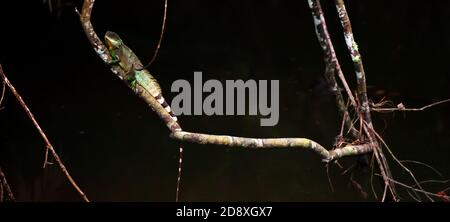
{"points": [[166, 106], [180, 162]]}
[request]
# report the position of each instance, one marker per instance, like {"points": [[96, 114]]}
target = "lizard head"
{"points": [[112, 40]]}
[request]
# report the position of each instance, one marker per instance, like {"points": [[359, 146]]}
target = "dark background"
{"points": [[117, 149]]}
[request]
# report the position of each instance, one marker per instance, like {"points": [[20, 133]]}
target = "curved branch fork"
{"points": [[260, 143]]}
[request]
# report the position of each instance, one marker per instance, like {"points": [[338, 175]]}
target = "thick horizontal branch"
{"points": [[258, 143]]}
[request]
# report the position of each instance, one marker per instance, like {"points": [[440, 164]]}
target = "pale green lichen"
{"points": [[355, 46], [356, 58]]}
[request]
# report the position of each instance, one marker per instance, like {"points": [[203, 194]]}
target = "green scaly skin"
{"points": [[130, 63]]}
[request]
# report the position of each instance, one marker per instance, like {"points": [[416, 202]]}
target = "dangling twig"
{"points": [[401, 107], [414, 189], [3, 94], [160, 36], [44, 137], [5, 186]]}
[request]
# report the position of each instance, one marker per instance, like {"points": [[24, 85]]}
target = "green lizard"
{"points": [[136, 74], [130, 63]]}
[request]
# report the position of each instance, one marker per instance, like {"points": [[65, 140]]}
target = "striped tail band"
{"points": [[180, 164], [166, 106]]}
